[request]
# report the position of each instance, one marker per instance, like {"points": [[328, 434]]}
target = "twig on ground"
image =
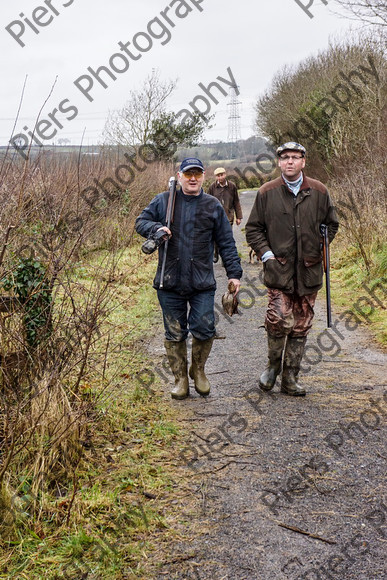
{"points": [[206, 415], [223, 466], [305, 533], [181, 558]]}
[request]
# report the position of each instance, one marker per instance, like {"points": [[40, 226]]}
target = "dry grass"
{"points": [[47, 216], [114, 478], [80, 441]]}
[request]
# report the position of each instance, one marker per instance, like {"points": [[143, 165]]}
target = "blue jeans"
{"points": [[193, 313]]}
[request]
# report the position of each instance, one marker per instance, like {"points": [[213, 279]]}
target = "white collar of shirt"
{"points": [[294, 186]]}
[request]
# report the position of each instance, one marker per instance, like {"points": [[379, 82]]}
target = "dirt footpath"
{"points": [[289, 488]]}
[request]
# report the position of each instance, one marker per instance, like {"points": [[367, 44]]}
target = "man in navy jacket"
{"points": [[188, 293]]}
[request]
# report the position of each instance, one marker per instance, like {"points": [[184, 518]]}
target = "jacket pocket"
{"points": [[202, 275], [278, 274], [313, 271], [171, 274]]}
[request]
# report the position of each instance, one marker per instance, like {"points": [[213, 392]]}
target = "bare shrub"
{"points": [[335, 104], [132, 125], [371, 12], [361, 203], [329, 103], [59, 212]]}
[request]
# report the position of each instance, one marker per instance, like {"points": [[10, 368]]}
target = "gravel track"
{"points": [[286, 488]]}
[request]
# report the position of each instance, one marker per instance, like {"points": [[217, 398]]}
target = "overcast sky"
{"points": [[198, 41]]}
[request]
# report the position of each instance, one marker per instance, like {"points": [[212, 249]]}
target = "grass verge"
{"points": [[352, 288], [121, 504]]}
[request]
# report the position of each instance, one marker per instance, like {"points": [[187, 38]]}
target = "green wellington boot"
{"points": [[200, 353], [275, 348], [177, 358], [294, 351]]}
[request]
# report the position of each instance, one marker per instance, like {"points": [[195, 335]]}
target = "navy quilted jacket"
{"points": [[199, 221]]}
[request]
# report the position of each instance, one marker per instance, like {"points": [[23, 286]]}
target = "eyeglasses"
{"points": [[293, 157], [196, 173]]}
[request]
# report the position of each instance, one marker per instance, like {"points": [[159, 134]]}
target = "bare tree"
{"points": [[344, 138], [301, 104], [132, 125], [52, 333], [369, 11]]}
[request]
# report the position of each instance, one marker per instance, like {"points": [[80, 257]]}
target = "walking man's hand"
{"points": [[237, 284]]}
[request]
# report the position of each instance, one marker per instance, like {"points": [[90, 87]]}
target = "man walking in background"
{"points": [[188, 293], [284, 230], [226, 192]]}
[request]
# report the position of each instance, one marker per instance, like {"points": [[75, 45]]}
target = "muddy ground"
{"points": [[284, 488]]}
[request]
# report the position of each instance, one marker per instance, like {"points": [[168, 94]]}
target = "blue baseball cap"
{"points": [[191, 163]]}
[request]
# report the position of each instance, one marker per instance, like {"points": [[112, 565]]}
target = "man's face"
{"points": [[191, 180], [291, 164], [221, 177]]}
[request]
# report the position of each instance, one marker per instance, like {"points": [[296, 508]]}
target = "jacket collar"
{"points": [[305, 185], [188, 197]]}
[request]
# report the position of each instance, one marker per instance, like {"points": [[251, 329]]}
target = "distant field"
{"points": [[231, 163]]}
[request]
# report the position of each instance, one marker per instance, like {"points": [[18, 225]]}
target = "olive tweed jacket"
{"points": [[228, 197], [289, 226]]}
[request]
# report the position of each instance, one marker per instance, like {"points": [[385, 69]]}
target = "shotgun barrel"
{"points": [[327, 266], [168, 219]]}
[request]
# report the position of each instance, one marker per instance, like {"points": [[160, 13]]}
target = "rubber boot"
{"points": [[200, 353], [177, 358], [275, 348], [294, 351]]}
